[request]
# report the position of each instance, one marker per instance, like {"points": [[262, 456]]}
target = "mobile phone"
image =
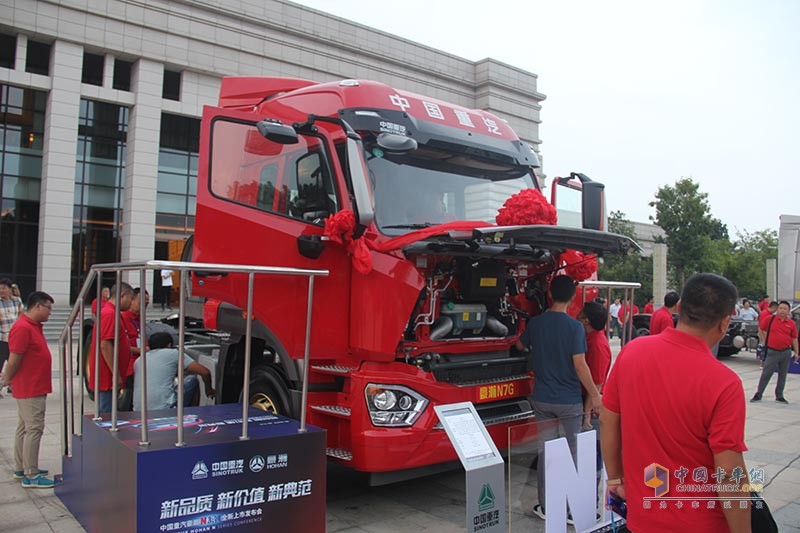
{"points": [[617, 504]]}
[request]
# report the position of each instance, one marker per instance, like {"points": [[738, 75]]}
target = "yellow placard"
{"points": [[464, 316], [488, 282]]}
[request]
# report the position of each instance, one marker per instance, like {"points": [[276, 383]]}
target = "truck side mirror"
{"points": [[580, 202], [277, 132]]}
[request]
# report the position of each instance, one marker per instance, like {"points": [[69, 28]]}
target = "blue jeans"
{"points": [[104, 398], [190, 385]]}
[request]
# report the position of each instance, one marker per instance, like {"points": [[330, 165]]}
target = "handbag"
{"points": [[761, 520], [761, 349]]}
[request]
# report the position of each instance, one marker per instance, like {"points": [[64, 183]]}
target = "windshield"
{"points": [[431, 186]]}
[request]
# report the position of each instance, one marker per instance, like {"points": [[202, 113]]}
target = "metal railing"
{"points": [[68, 426], [628, 292]]}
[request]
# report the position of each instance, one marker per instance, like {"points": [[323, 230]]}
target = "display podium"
{"points": [[274, 480]]}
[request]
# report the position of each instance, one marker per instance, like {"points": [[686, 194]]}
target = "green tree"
{"points": [[746, 266], [630, 267], [696, 240]]}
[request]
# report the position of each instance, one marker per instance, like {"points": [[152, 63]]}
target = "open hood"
{"points": [[532, 243], [556, 238]]}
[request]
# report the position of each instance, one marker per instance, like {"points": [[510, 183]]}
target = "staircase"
{"points": [[60, 314]]}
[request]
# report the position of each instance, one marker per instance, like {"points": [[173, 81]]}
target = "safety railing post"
{"points": [[181, 345], [81, 360], [248, 343], [97, 341], [63, 391], [142, 355], [115, 360], [70, 392], [306, 351]]}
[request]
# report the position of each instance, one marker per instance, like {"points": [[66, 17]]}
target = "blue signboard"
{"points": [[215, 483]]}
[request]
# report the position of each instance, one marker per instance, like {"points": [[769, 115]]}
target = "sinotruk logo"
{"points": [[657, 477]]}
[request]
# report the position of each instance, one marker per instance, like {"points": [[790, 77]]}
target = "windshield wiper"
{"points": [[410, 226]]}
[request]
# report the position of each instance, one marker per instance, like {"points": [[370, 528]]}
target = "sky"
{"points": [[641, 94]]}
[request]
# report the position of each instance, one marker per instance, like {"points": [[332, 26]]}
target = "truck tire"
{"points": [[268, 391], [642, 332]]}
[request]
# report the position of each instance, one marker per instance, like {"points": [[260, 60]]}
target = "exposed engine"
{"points": [[466, 298]]}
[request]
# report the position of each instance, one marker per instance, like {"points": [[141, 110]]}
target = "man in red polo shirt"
{"points": [[594, 318], [662, 319], [663, 426], [648, 307], [764, 303], [29, 371], [120, 297], [780, 333], [768, 312]]}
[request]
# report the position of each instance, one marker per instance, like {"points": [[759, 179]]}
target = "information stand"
{"points": [[274, 480], [485, 480]]}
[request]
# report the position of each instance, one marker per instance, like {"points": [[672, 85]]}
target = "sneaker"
{"points": [[37, 482], [781, 400], [756, 398], [537, 511], [19, 474]]}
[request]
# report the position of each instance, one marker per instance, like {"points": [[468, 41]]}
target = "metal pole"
{"points": [[248, 341], [115, 362], [142, 355], [70, 391], [181, 327], [608, 308], [62, 379], [81, 361], [97, 341], [305, 354]]}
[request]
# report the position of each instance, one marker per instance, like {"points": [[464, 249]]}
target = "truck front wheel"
{"points": [[268, 391]]}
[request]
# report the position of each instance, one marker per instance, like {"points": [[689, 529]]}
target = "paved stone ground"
{"points": [[435, 503]]}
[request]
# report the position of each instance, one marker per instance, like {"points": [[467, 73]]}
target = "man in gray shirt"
{"points": [[162, 371]]}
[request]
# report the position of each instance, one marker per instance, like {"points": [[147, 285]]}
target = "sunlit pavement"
{"points": [[435, 503]]}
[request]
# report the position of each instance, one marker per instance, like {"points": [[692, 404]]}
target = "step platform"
{"points": [[274, 481]]}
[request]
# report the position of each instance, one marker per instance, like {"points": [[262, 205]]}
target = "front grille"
{"points": [[466, 372], [501, 412]]}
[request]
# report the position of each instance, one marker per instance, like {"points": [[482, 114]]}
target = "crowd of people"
{"points": [[26, 365], [654, 410]]}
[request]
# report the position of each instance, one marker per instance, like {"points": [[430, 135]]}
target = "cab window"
{"points": [[291, 180]]}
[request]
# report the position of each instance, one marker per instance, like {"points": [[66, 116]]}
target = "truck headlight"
{"points": [[393, 405]]}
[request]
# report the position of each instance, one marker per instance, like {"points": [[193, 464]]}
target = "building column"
{"points": [[141, 176], [58, 172], [659, 274]]}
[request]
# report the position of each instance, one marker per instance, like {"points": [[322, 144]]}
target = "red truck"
{"points": [[426, 295]]}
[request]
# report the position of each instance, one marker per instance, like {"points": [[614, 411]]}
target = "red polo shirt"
{"points": [[764, 313], [623, 312], [34, 375], [598, 356], [781, 332], [107, 334], [763, 305], [648, 308], [678, 407], [661, 320], [131, 322]]}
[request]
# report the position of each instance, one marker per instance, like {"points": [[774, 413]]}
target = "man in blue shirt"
{"points": [[162, 371], [557, 343]]}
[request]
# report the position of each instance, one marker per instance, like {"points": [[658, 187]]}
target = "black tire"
{"points": [[642, 332], [268, 391]]}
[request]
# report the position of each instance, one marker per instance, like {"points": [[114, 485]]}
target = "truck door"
{"points": [[255, 199]]}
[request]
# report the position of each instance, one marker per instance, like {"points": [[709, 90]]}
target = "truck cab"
{"points": [[396, 195]]}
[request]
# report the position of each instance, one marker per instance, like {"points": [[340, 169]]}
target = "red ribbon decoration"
{"points": [[578, 265], [527, 207]]}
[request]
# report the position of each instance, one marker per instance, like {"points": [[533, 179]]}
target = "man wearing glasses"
{"points": [[29, 370]]}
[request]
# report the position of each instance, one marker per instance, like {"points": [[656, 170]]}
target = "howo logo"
{"points": [[486, 498], [200, 470], [657, 477], [257, 463]]}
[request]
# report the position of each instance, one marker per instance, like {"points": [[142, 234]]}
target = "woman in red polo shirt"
{"points": [[780, 334]]}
